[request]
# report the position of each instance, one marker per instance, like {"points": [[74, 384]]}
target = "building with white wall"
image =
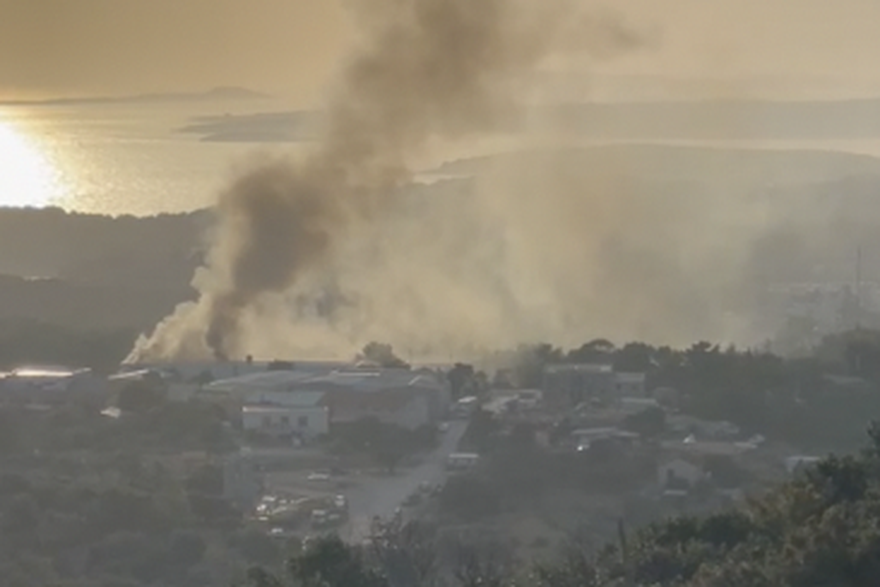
{"points": [[393, 396], [303, 415]]}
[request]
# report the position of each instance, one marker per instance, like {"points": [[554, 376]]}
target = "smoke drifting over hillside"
{"points": [[288, 231]]}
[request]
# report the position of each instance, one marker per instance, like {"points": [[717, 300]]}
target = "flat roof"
{"points": [[579, 368], [261, 381], [273, 408], [365, 380], [45, 372], [630, 377]]}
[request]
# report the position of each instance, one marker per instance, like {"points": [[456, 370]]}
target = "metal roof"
{"points": [[360, 380]]}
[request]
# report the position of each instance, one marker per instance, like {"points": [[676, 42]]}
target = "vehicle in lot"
{"points": [[461, 461], [325, 519], [318, 477]]}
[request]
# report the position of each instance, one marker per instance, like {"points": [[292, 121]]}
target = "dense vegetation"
{"points": [[824, 400], [87, 500]]}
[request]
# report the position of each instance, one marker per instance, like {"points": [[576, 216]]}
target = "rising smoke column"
{"points": [[426, 69]]}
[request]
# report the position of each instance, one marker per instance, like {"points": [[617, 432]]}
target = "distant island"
{"points": [[223, 93], [717, 120], [268, 127]]}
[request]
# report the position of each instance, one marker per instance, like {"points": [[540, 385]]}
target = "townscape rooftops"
{"points": [[261, 381], [579, 368], [360, 380], [231, 369], [603, 432], [846, 381], [310, 400], [706, 448], [46, 373], [632, 378]]}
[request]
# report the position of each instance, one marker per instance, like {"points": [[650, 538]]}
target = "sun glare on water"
{"points": [[27, 178]]}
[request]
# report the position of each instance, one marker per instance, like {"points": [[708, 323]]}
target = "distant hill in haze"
{"points": [[126, 271], [225, 93], [267, 127], [91, 271], [50, 243], [683, 120], [722, 119], [709, 165]]}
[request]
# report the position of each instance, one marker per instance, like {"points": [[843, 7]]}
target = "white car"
{"points": [[318, 477]]}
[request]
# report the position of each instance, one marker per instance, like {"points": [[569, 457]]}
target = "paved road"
{"points": [[381, 496]]}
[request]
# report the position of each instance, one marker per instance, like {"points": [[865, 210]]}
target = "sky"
{"points": [[51, 48]]}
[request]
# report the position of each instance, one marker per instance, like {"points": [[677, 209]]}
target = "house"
{"points": [[464, 407], [572, 384], [529, 399], [302, 415], [719, 430], [679, 473], [706, 448], [585, 438], [629, 385]]}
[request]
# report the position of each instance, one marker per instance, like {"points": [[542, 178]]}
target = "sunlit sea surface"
{"points": [[133, 159], [116, 159]]}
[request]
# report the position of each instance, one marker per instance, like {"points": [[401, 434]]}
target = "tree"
{"points": [[530, 362], [598, 351], [461, 380], [329, 562], [634, 357]]}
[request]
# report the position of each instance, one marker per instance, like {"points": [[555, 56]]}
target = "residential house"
{"points": [[585, 438], [571, 384], [630, 385], [679, 473]]}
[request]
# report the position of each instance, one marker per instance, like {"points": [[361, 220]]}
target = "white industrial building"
{"points": [[393, 396], [303, 415]]}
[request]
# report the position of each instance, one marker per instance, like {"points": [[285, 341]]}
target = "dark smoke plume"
{"points": [[424, 70]]}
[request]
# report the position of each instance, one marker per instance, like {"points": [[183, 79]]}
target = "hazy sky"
{"points": [[64, 47]]}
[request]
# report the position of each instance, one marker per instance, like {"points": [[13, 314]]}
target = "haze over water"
{"points": [[114, 159], [133, 159]]}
